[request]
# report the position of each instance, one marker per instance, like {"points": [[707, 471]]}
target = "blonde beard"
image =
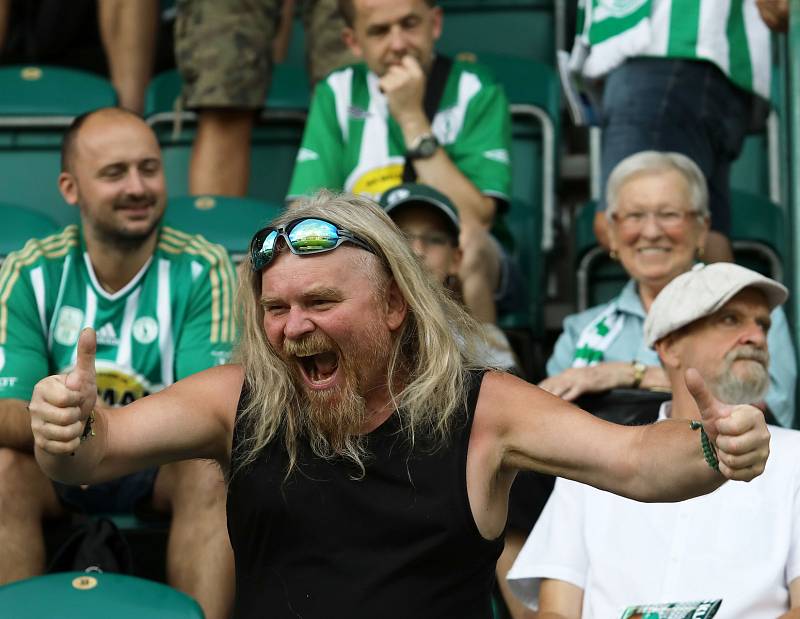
{"points": [[332, 420]]}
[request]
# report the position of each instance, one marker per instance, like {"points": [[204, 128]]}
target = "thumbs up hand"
{"points": [[60, 405], [739, 432]]}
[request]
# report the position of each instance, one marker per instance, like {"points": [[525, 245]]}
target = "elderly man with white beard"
{"points": [[593, 554]]}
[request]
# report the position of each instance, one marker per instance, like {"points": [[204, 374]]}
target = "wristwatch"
{"points": [[423, 147], [639, 370]]}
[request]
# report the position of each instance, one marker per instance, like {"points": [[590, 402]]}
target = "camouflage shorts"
{"points": [[325, 48], [222, 49]]}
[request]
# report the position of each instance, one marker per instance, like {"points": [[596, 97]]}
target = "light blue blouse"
{"points": [[629, 345]]}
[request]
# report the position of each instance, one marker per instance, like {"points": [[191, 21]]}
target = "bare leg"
{"points": [[221, 152], [514, 543], [5, 9], [128, 30], [199, 555], [479, 272], [26, 496]]}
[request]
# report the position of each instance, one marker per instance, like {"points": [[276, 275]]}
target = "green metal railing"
{"points": [[793, 119]]}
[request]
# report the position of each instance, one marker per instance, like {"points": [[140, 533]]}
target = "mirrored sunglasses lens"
{"points": [[313, 235], [263, 255]]}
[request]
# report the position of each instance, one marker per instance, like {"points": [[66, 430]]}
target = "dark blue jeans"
{"points": [[686, 106], [122, 495]]}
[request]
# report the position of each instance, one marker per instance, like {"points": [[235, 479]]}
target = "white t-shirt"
{"points": [[741, 543]]}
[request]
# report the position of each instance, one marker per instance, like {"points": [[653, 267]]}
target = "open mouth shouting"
{"points": [[319, 370], [316, 358]]}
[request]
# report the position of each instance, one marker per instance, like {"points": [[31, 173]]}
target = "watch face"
{"points": [[425, 147]]}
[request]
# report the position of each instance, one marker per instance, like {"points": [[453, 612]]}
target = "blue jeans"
{"points": [[118, 496], [672, 104]]}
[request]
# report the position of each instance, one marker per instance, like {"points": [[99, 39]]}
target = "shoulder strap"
{"points": [[434, 89]]}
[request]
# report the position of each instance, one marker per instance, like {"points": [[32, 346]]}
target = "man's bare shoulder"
{"points": [[507, 404]]}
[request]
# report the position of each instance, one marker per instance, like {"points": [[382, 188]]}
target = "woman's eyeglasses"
{"points": [[303, 237], [666, 220]]}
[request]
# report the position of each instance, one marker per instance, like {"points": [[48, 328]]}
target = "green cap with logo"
{"points": [[415, 194]]}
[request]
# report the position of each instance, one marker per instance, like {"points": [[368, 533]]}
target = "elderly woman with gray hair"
{"points": [[658, 220]]}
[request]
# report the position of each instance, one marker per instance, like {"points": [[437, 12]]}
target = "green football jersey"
{"points": [[730, 34], [174, 318], [351, 142]]}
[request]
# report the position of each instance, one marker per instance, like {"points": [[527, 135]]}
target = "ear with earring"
{"points": [[700, 252], [612, 253]]}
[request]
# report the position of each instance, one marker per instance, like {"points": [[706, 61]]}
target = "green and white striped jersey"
{"points": [[728, 33], [174, 318], [351, 142]]}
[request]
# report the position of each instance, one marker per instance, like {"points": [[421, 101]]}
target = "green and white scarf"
{"points": [[597, 336]]}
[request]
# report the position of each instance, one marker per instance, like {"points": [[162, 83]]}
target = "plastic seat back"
{"points": [[36, 104], [230, 222], [79, 595]]}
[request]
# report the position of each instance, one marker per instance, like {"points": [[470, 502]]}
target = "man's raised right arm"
{"points": [[193, 418]]}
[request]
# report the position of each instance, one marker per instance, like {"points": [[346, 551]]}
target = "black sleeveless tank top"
{"points": [[401, 542]]}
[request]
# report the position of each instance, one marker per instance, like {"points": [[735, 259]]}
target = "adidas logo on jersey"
{"points": [[107, 335]]}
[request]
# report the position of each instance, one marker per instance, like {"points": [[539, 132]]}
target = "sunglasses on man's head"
{"points": [[303, 237]]}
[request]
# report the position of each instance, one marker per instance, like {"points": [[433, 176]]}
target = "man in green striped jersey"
{"points": [[160, 300], [374, 125]]}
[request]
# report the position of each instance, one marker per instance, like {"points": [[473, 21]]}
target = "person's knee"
{"points": [[194, 485], [20, 482], [481, 256]]}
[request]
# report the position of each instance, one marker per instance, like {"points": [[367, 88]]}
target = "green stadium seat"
{"points": [[36, 104], [533, 93], [522, 28], [522, 223], [527, 228], [275, 141], [599, 277], [758, 235], [229, 221], [751, 172], [21, 224], [95, 595]]}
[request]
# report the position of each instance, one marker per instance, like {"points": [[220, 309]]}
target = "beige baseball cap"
{"points": [[701, 292]]}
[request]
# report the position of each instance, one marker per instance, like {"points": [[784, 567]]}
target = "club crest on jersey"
{"points": [[145, 330], [68, 325]]}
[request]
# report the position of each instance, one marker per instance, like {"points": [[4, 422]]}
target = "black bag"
{"points": [[97, 545], [630, 407]]}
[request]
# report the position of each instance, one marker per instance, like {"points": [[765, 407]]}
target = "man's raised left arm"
{"points": [[659, 462]]}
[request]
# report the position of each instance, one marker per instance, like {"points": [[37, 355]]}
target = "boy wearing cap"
{"points": [[593, 555], [431, 224]]}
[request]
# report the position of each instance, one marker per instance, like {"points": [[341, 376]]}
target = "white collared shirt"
{"points": [[740, 543]]}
